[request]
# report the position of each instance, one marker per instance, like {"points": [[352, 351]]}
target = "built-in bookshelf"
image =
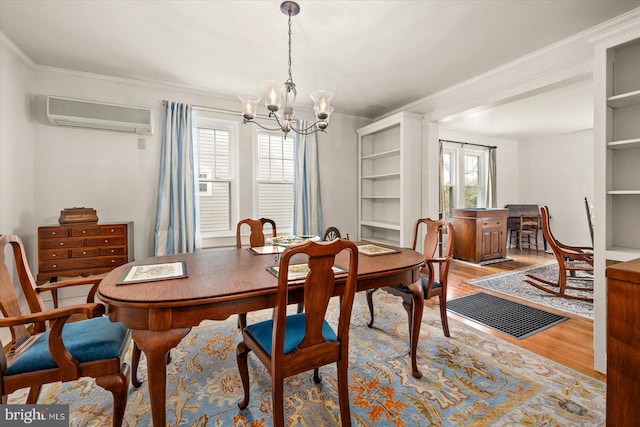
{"points": [[389, 179]]}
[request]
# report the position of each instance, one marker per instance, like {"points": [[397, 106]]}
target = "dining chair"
{"points": [[529, 229], [256, 239], [59, 344], [288, 345], [331, 233], [435, 233]]}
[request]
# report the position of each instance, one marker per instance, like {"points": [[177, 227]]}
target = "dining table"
{"points": [[218, 283]]}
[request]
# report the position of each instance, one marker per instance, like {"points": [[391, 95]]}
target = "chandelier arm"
{"points": [[263, 127], [305, 129]]}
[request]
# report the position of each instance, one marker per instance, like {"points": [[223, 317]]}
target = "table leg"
{"points": [[156, 345], [417, 307]]}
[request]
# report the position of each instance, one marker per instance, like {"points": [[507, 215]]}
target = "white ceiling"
{"points": [[375, 56]]}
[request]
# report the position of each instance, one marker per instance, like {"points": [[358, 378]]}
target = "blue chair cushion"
{"points": [[294, 332], [425, 282], [86, 340]]}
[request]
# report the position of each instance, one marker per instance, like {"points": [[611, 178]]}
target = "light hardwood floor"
{"points": [[569, 343]]}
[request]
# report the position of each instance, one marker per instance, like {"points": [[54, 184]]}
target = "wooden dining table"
{"points": [[220, 283]]}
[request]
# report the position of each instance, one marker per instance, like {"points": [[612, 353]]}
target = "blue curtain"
{"points": [[175, 230], [307, 206]]}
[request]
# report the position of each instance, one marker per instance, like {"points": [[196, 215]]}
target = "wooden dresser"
{"points": [[83, 249], [481, 234], [623, 343]]}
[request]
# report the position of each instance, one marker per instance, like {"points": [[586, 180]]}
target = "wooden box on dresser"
{"points": [[83, 249], [623, 343]]}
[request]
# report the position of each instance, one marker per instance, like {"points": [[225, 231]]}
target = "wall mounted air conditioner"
{"points": [[98, 115]]}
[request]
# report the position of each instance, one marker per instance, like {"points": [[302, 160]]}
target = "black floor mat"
{"points": [[512, 318]]}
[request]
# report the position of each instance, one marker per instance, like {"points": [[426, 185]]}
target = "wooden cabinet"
{"points": [[480, 234], [623, 343], [389, 195], [83, 249]]}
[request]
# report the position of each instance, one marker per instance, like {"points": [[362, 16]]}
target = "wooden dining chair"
{"points": [[331, 233], [431, 286], [57, 346], [529, 230], [571, 259], [291, 344], [256, 239]]}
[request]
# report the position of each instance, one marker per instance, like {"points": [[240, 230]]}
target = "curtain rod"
{"points": [[467, 143], [225, 111]]}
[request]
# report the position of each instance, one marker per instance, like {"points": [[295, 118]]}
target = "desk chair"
{"points": [[290, 345], [529, 229], [53, 349], [430, 286]]}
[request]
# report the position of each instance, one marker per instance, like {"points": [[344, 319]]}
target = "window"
{"points": [[274, 179], [215, 141], [469, 168]]}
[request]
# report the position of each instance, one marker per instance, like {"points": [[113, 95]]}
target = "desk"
{"points": [[221, 283]]}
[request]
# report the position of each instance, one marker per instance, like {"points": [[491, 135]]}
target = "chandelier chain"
{"points": [[290, 78]]}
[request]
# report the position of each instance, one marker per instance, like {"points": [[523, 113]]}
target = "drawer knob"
{"points": [[84, 252], [113, 260], [113, 231], [84, 231], [53, 233], [54, 255], [61, 243], [112, 250], [55, 265], [106, 240]]}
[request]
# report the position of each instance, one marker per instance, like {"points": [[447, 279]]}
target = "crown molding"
{"points": [[16, 51]]}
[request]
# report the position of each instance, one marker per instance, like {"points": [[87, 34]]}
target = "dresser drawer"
{"points": [[80, 263], [61, 243], [85, 231], [54, 254], [113, 230], [113, 251], [491, 223], [106, 241], [52, 232], [84, 252]]}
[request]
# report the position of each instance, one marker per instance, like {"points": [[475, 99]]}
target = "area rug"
{"points": [[503, 315], [470, 379], [485, 262], [513, 284]]}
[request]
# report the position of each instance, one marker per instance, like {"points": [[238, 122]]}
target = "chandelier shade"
{"points": [[282, 96]]}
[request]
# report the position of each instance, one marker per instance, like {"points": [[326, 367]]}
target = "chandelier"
{"points": [[283, 95]]}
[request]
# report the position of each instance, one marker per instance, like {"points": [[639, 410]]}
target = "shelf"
{"points": [[623, 192], [616, 253], [381, 224], [381, 155], [380, 197], [382, 176], [624, 144], [624, 99]]}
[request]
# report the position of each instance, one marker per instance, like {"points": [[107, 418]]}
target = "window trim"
{"points": [[459, 152]]}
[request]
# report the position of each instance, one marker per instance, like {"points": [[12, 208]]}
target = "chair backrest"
{"points": [[546, 228], [9, 299], [529, 222], [434, 235], [589, 218], [319, 287], [256, 236], [331, 233]]}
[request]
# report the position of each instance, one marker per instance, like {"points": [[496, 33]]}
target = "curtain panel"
{"points": [[307, 206], [175, 229]]}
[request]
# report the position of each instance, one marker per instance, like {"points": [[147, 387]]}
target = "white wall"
{"points": [[557, 171], [16, 153], [108, 172]]}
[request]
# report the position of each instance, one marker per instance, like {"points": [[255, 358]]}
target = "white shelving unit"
{"points": [[389, 179], [623, 151], [617, 163]]}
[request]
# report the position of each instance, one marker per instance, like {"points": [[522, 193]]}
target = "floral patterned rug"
{"points": [[470, 379], [513, 284]]}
